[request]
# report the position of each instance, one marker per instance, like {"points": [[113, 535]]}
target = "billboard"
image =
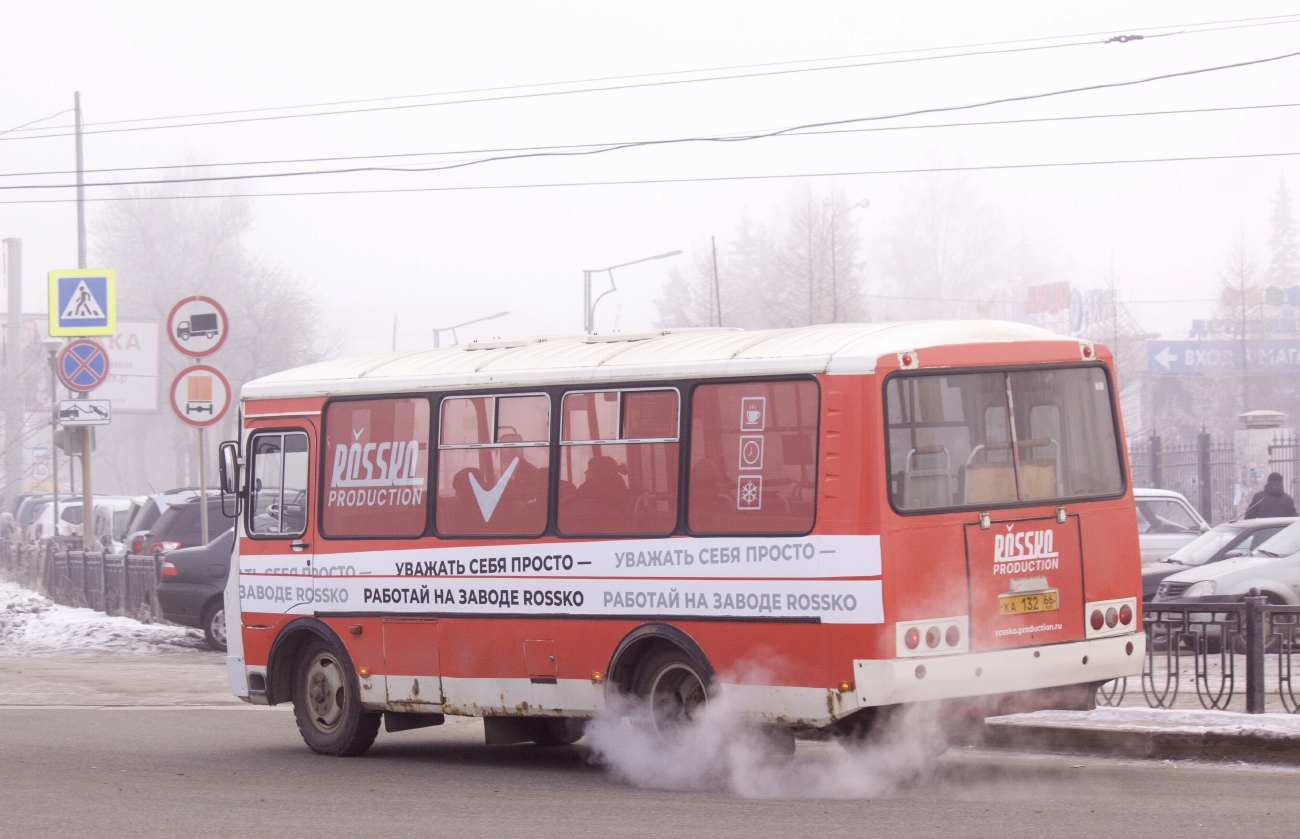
{"points": [[132, 383]]}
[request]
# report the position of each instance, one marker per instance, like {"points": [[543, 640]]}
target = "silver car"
{"points": [[1166, 522]]}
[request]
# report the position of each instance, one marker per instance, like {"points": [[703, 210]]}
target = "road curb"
{"points": [[1219, 745]]}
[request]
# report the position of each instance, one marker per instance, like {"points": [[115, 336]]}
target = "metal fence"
{"points": [[1284, 457], [110, 583], [1204, 471], [1239, 654]]}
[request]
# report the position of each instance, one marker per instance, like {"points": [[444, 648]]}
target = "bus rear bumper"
{"points": [[901, 681]]}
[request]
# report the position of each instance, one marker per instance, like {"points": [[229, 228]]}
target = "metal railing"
{"points": [[1204, 471], [1226, 652], [110, 583]]}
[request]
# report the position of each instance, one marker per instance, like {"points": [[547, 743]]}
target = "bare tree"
{"points": [[696, 296], [1239, 297], [167, 249], [819, 269], [945, 252], [1283, 244]]}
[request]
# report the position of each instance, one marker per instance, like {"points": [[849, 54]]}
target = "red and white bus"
{"points": [[825, 523]]}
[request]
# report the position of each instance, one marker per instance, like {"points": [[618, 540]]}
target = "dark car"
{"points": [[1234, 538], [192, 586], [180, 527]]}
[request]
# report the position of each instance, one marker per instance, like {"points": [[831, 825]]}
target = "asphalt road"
{"points": [[233, 771]]}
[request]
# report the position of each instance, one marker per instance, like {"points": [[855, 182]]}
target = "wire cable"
{"points": [[690, 180], [813, 133], [678, 141], [607, 88]]}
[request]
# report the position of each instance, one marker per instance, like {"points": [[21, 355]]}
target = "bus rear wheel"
{"points": [[672, 684], [327, 703]]}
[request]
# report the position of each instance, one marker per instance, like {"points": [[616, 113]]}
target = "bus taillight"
{"points": [[1098, 619], [1126, 614], [913, 638]]}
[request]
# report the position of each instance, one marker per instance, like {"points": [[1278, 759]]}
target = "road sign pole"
{"points": [[54, 438], [203, 491], [87, 503], [81, 188]]}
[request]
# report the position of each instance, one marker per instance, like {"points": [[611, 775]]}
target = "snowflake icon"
{"points": [[749, 492]]}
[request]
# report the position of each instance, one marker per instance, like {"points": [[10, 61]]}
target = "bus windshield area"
{"points": [[996, 438]]}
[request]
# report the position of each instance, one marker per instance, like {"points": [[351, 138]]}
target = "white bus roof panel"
{"points": [[664, 354]]}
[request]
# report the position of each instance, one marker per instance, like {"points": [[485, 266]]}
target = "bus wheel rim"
{"points": [[676, 694], [325, 693]]}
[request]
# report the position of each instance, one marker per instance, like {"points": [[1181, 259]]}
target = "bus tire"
{"points": [[674, 687], [327, 703]]}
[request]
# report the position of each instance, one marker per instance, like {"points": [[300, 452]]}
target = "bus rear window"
{"points": [[979, 439]]}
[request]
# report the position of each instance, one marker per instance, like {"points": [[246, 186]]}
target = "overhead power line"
{"points": [[610, 143], [677, 141], [652, 181], [1239, 23]]}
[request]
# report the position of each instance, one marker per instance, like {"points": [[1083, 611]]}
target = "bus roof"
{"points": [[661, 354]]}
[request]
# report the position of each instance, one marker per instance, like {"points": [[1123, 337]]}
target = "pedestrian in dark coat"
{"points": [[1273, 501]]}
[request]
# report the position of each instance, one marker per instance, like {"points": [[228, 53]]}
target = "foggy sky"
{"points": [[437, 258]]}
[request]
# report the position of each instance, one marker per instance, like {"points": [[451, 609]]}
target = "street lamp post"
{"points": [[589, 305], [452, 329], [52, 346]]}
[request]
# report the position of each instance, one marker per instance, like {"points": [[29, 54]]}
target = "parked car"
{"points": [[180, 527], [1235, 538], [70, 517], [30, 509], [1166, 522], [1273, 567], [191, 588], [146, 510]]}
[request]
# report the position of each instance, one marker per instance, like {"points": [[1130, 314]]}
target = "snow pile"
{"points": [[1163, 721], [32, 624]]}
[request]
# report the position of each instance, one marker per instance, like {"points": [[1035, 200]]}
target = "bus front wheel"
{"points": [[327, 703]]}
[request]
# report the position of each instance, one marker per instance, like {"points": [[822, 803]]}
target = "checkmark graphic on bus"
{"points": [[488, 498]]}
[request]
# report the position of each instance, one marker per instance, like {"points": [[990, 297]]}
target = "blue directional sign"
{"points": [[83, 302], [1183, 357]]}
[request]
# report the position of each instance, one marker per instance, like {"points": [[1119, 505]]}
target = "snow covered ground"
{"points": [[31, 624], [1282, 727]]}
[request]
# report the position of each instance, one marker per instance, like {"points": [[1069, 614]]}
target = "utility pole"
{"points": [[87, 499], [717, 293], [13, 403]]}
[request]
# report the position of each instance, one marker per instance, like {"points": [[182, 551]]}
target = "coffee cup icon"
{"points": [[752, 415]]}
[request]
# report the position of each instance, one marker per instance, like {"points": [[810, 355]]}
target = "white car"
{"points": [[110, 512], [1273, 568], [1166, 522]]}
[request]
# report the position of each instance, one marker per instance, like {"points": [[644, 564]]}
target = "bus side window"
{"points": [[618, 462], [278, 479], [494, 465], [376, 461], [753, 457]]}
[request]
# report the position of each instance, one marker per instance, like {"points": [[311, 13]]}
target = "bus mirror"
{"points": [[229, 467]]}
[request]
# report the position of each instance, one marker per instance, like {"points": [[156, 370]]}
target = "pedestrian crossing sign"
{"points": [[83, 301]]}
